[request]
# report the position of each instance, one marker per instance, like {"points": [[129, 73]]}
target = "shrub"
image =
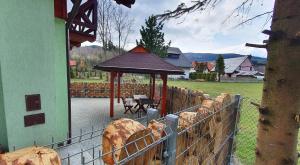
{"points": [[204, 76]]}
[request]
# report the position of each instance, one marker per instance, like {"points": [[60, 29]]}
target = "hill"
{"points": [[92, 54], [204, 57]]}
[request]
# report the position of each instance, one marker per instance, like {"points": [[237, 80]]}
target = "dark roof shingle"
{"points": [[138, 62], [174, 50], [181, 61]]}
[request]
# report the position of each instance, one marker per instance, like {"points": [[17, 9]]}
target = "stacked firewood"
{"points": [[102, 90], [205, 132], [31, 156], [125, 137], [77, 89], [202, 135], [181, 98]]}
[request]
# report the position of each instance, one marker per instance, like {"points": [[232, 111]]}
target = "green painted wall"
{"points": [[3, 134], [32, 56]]}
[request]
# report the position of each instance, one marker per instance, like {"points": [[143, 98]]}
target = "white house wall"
{"points": [[185, 76]]}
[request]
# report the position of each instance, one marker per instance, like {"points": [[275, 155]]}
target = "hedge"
{"points": [[204, 76]]}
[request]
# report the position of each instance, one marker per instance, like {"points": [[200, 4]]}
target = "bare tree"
{"points": [[123, 26], [106, 10], [279, 117]]}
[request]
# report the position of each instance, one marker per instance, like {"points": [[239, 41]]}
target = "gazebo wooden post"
{"points": [[148, 64], [150, 86], [153, 85], [119, 85], [164, 95], [112, 93]]}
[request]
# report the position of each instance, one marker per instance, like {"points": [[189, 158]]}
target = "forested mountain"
{"points": [[203, 57]]}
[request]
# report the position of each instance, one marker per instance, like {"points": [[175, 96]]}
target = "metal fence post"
{"points": [[152, 114], [172, 123], [236, 109]]}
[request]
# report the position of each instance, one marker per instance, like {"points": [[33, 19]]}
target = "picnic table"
{"points": [[141, 100]]}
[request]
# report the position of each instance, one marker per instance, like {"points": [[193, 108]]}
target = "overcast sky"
{"points": [[204, 31]]}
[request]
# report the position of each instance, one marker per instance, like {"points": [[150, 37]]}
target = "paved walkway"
{"points": [[90, 114]]}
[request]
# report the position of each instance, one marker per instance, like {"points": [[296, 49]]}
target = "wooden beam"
{"points": [[60, 9], [164, 95], [268, 32], [265, 41], [150, 86], [153, 86], [256, 45], [119, 86], [112, 93]]}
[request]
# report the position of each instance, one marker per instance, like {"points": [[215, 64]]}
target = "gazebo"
{"points": [[138, 60]]}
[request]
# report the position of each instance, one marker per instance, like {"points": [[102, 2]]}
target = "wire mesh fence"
{"points": [[207, 141], [247, 132], [145, 147], [201, 134], [195, 135]]}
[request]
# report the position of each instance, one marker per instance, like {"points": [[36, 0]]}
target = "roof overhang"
{"points": [[138, 70], [126, 3], [139, 60]]}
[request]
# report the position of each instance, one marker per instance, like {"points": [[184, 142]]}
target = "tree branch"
{"points": [[183, 9], [252, 18], [200, 5]]}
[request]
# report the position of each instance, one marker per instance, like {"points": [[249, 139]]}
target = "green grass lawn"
{"points": [[251, 90]]}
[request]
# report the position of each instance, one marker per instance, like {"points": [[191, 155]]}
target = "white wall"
{"points": [[185, 76]]}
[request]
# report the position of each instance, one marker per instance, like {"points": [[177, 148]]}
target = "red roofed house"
{"points": [[205, 67], [72, 63]]}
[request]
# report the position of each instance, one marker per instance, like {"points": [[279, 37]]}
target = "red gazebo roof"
{"points": [[139, 60]]}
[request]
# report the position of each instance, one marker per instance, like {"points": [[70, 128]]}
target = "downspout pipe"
{"points": [[69, 21]]}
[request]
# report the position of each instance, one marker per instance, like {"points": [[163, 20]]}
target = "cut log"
{"points": [[187, 119], [128, 138], [31, 156], [190, 137], [209, 106], [191, 160], [134, 144], [223, 104], [157, 128], [116, 135]]}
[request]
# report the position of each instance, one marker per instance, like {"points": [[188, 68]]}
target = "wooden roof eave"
{"points": [[138, 70]]}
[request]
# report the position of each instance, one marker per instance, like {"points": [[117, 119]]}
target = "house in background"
{"points": [[177, 58], [203, 67], [260, 67], [240, 67], [72, 63], [258, 63]]}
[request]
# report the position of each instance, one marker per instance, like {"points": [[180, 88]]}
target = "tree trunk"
{"points": [[119, 42], [278, 127]]}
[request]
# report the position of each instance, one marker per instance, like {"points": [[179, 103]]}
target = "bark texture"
{"points": [[278, 122]]}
